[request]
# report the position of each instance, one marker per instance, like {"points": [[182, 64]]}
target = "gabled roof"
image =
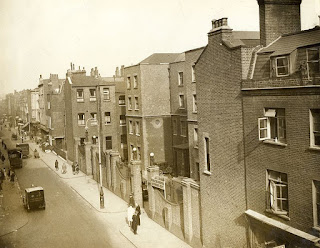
{"points": [[160, 58], [286, 44], [243, 38]]}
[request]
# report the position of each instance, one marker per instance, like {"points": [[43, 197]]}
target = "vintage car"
{"points": [[34, 198]]}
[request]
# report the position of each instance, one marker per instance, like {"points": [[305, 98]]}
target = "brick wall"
{"points": [[277, 19], [218, 74], [296, 159]]}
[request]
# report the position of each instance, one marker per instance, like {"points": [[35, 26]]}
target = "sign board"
{"points": [[158, 183]]}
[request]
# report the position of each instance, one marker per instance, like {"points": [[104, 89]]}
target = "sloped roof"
{"points": [[243, 38], [81, 80], [160, 58], [286, 44]]}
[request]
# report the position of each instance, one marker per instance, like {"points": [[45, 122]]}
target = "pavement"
{"points": [[150, 234]]}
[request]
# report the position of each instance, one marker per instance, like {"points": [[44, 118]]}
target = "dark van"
{"points": [[34, 198], [24, 148]]}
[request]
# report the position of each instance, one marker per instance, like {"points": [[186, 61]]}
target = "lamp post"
{"points": [[100, 167], [151, 159]]}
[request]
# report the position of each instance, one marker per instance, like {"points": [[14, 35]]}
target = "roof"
{"points": [[160, 58], [81, 80], [244, 38], [286, 44], [32, 189]]}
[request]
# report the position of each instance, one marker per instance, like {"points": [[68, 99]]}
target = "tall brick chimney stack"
{"points": [[278, 17], [220, 29]]}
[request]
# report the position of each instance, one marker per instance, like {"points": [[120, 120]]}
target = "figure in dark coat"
{"points": [[12, 177], [56, 165], [135, 222], [138, 211]]}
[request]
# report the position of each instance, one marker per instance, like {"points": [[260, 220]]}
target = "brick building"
{"points": [[281, 113], [222, 65], [91, 101], [183, 103], [46, 87], [148, 109]]}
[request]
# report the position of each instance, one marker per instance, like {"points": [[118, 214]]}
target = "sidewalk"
{"points": [[12, 214], [150, 234]]}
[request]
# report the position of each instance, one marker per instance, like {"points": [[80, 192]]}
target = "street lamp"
{"points": [[100, 167], [151, 159]]}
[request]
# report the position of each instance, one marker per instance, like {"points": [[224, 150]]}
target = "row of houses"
{"points": [[220, 144]]}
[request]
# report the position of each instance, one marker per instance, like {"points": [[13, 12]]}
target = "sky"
{"points": [[44, 36]]}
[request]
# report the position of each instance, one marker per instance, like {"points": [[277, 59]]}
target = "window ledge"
{"points": [[182, 108], [180, 85], [194, 112], [282, 216], [314, 148], [196, 147], [137, 134], [106, 100], [207, 172], [272, 142]]}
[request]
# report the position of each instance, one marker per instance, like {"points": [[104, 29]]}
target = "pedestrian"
{"points": [[131, 200], [8, 173], [130, 215], [138, 210], [64, 168], [56, 165], [73, 168], [12, 177], [2, 158], [4, 173], [135, 222]]}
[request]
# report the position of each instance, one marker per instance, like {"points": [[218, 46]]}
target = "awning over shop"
{"points": [[284, 227], [182, 146]]}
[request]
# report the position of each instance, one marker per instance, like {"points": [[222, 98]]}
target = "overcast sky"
{"points": [[44, 36]]}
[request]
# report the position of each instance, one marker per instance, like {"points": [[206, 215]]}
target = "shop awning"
{"points": [[284, 227]]}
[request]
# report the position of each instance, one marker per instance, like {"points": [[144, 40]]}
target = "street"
{"points": [[67, 221]]}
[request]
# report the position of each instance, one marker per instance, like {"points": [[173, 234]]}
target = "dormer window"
{"points": [[313, 58], [282, 66]]}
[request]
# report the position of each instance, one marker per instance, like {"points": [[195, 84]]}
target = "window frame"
{"points": [[286, 66], [273, 187], [81, 122], [194, 103], [135, 81], [136, 103], [129, 103], [122, 120], [93, 97], [106, 94], [195, 137], [108, 142], [130, 127], [94, 118], [107, 121], [128, 82], [193, 73], [80, 97], [180, 78], [207, 159], [137, 128], [174, 127], [274, 124], [122, 102], [316, 204], [181, 101], [313, 61], [312, 113]]}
